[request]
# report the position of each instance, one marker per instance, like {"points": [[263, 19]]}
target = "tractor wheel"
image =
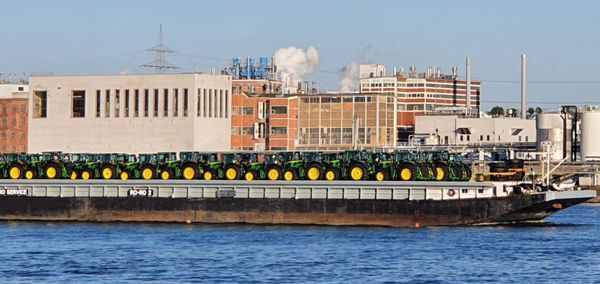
{"points": [[290, 174], [314, 171], [331, 174], [73, 174], [148, 172], [86, 174], [51, 171], [357, 172], [406, 172], [124, 175], [440, 172], [15, 171], [468, 172], [107, 172], [165, 174], [209, 175], [273, 172], [232, 172], [381, 175], [250, 175], [30, 174], [189, 172]]}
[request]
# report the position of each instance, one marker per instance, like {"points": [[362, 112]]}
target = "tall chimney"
{"points": [[523, 86], [468, 83]]}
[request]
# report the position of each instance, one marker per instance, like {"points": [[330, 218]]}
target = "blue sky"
{"points": [[561, 39]]}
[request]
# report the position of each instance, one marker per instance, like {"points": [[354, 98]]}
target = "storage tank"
{"points": [[590, 136], [549, 127]]}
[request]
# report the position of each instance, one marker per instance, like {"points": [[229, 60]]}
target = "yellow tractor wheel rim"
{"points": [[380, 176], [313, 173], [439, 173], [85, 175], [15, 173], [406, 174], [330, 175], [147, 174], [124, 176], [273, 174], [231, 174], [356, 173], [288, 175], [165, 175], [107, 173], [29, 174], [249, 176], [189, 173], [73, 175], [208, 176], [51, 172]]}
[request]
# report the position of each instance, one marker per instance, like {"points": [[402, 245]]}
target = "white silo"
{"points": [[590, 135], [549, 127]]}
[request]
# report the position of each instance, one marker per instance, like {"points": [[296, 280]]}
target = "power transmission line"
{"points": [[160, 64]]}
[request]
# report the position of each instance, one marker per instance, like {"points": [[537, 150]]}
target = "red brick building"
{"points": [[13, 118]]}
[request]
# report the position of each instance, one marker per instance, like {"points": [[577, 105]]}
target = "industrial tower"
{"points": [[160, 64]]}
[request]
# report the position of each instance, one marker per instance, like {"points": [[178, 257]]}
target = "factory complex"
{"points": [[246, 107]]}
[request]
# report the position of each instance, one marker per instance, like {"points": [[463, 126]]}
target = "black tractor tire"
{"points": [[186, 171], [107, 171], [15, 171], [331, 174], [407, 172], [354, 167], [440, 172], [30, 174], [166, 174], [229, 174], [381, 175], [314, 171], [148, 169], [290, 174], [86, 174], [209, 174], [274, 172], [53, 169]]}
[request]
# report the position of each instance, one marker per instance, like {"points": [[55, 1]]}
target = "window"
{"points": [[226, 103], [39, 104], [488, 138], [78, 104], [248, 130], [199, 100], [117, 103], [468, 137], [480, 137], [185, 102], [279, 110], [107, 103], [247, 110], [126, 110], [278, 130], [516, 131], [98, 102], [464, 190], [204, 103], [461, 138], [155, 102], [146, 102], [175, 103], [166, 102], [21, 89], [220, 103], [210, 103], [136, 101]]}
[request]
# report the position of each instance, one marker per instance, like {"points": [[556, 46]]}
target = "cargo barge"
{"points": [[352, 203]]}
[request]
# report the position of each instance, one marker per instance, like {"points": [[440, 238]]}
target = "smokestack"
{"points": [[468, 63], [523, 86]]}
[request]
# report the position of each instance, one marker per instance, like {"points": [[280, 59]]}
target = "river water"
{"points": [[566, 248]]}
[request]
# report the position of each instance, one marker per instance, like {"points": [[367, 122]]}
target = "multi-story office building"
{"points": [[130, 113]]}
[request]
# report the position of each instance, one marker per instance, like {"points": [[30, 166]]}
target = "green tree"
{"points": [[497, 110]]}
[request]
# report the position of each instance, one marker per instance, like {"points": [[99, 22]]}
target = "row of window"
{"points": [[12, 149], [487, 138], [250, 110], [249, 130], [13, 122], [22, 109], [212, 103]]}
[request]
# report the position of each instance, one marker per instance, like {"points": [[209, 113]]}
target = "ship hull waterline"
{"points": [[335, 212]]}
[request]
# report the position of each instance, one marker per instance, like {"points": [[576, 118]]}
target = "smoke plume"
{"points": [[294, 63], [349, 82]]}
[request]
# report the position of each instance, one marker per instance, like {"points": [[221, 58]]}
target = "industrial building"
{"points": [[454, 130], [130, 113], [13, 117], [421, 93]]}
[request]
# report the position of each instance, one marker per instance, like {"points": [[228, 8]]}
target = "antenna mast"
{"points": [[160, 64]]}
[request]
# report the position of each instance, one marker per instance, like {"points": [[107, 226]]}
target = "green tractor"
{"points": [[412, 166], [52, 165], [314, 163], [211, 166], [191, 164], [273, 165], [334, 162], [357, 165], [238, 165], [292, 164], [21, 165], [384, 166], [148, 166], [168, 165], [87, 166], [457, 170], [127, 167]]}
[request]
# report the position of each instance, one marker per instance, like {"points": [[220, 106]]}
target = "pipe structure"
{"points": [[523, 86]]}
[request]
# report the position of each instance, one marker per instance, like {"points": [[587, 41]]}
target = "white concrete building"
{"points": [[130, 113], [455, 130]]}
